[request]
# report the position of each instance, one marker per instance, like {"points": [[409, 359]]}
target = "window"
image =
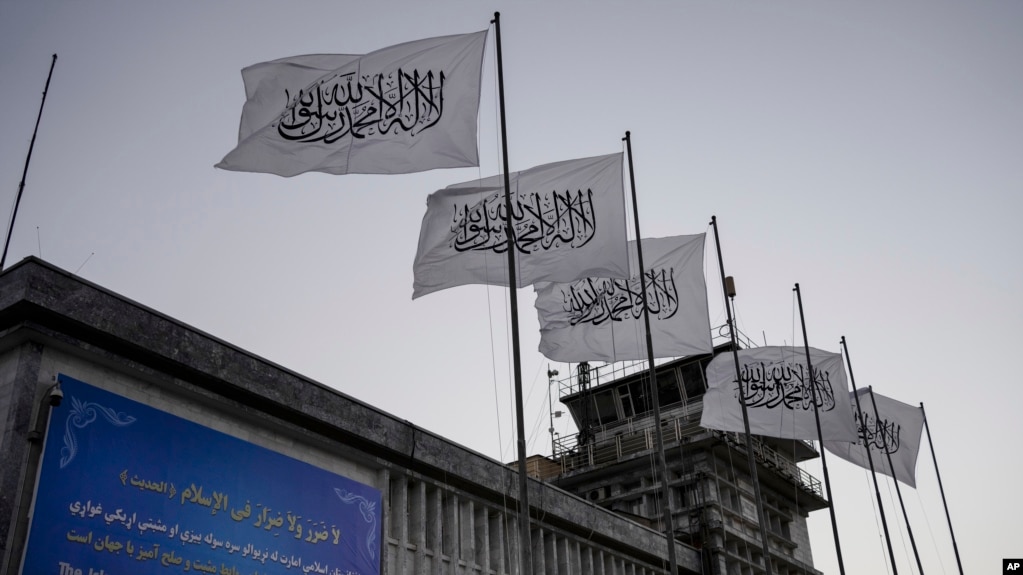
{"points": [[625, 400], [693, 381], [607, 410], [668, 390]]}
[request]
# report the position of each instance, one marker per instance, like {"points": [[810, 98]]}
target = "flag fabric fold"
{"points": [[779, 394], [568, 219], [406, 108], [602, 318], [894, 429]]}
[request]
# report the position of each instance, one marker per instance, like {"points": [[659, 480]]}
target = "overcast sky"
{"points": [[871, 151]]}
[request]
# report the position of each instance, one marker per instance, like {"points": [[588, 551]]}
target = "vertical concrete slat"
{"points": [[497, 541], [564, 560], [537, 537], [482, 538], [450, 512], [399, 515], [468, 535], [384, 485]]}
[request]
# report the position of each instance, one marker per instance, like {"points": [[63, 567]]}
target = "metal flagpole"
{"points": [[525, 547], [730, 295], [895, 480], [870, 459], [820, 439], [942, 489], [669, 525], [24, 173]]}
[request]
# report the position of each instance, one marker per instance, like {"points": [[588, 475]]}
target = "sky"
{"points": [[870, 151]]}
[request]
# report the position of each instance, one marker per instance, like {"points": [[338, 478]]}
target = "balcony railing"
{"points": [[615, 444], [609, 372], [772, 459], [683, 415]]}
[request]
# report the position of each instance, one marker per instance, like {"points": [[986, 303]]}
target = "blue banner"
{"points": [[126, 488]]}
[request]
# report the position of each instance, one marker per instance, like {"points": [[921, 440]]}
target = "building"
{"points": [[612, 462], [131, 442], [432, 506]]}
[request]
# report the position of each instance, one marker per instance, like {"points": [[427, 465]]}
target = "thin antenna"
{"points": [[85, 262], [39, 243], [28, 159]]}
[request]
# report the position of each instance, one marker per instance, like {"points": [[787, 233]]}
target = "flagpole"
{"points": [[745, 415], [895, 480], [870, 459], [942, 489], [669, 525], [820, 437], [24, 173], [525, 546]]}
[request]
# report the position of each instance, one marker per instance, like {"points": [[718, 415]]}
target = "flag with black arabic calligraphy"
{"points": [[892, 431], [568, 220], [406, 108], [602, 318], [779, 392], [270, 86]]}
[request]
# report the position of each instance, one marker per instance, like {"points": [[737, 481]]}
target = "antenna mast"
{"points": [[28, 159]]}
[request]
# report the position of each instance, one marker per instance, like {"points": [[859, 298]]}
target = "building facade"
{"points": [[431, 506], [613, 462], [205, 457]]}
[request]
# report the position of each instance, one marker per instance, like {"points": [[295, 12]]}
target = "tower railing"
{"points": [[609, 372], [637, 435]]}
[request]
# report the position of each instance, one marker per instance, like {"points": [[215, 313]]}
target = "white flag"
{"points": [[270, 87], [602, 319], [568, 218], [779, 394], [405, 108], [894, 429]]}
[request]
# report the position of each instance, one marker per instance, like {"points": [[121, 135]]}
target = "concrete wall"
{"points": [[18, 388], [8, 365]]}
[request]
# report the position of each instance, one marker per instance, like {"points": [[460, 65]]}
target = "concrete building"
{"points": [[443, 508], [92, 383], [612, 462]]}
